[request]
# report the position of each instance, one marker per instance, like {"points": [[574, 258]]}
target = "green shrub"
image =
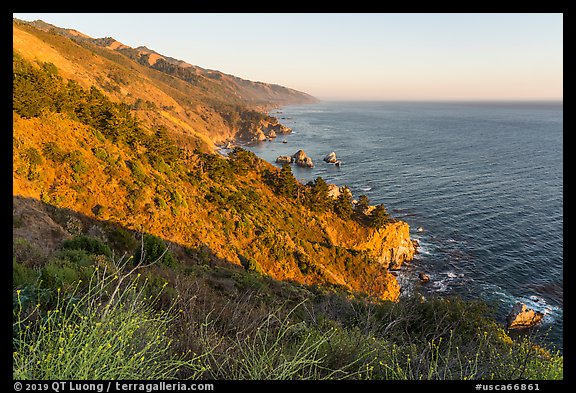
{"points": [[50, 68], [88, 244], [160, 165], [32, 156], [23, 276], [137, 171], [61, 273], [122, 239], [100, 153], [155, 248], [160, 202], [178, 199], [76, 162], [76, 257], [52, 151]]}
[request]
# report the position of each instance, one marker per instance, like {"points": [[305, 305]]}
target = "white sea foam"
{"points": [[439, 286], [424, 248], [536, 303]]}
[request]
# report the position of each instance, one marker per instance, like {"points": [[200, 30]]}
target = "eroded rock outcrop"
{"points": [[523, 317], [331, 158], [284, 160], [302, 159], [260, 136], [390, 246], [275, 127], [335, 191], [263, 130]]}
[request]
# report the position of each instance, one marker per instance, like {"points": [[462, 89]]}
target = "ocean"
{"points": [[479, 183]]}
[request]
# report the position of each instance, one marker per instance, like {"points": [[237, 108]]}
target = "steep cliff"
{"points": [[390, 246]]}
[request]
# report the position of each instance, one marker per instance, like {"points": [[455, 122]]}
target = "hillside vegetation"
{"points": [[139, 253], [198, 107], [74, 148]]}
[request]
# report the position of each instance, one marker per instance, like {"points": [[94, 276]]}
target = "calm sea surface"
{"points": [[481, 185]]}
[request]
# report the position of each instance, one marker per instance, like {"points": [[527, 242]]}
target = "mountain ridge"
{"points": [[201, 108], [142, 50]]}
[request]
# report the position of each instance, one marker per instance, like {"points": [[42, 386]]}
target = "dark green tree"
{"points": [[362, 205], [342, 206], [243, 160], [379, 217], [317, 195], [286, 183]]}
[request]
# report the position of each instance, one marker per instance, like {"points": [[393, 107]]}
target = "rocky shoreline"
{"points": [[391, 247]]}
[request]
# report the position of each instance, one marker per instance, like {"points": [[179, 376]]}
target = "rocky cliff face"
{"points": [[390, 246], [195, 201]]}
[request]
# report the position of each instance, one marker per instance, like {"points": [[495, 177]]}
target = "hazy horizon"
{"points": [[356, 57]]}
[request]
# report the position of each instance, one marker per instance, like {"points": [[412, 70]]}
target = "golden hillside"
{"points": [[76, 149], [198, 107]]}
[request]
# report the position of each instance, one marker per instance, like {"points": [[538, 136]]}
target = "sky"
{"points": [[340, 56]]}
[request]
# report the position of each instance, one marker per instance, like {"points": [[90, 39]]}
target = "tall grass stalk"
{"points": [[87, 336]]}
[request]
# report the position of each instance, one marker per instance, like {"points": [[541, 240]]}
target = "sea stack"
{"points": [[284, 160], [302, 159], [523, 317], [331, 158]]}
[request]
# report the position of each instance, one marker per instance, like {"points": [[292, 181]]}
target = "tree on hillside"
{"points": [[286, 182], [317, 197], [342, 206], [362, 205], [379, 217], [243, 160]]}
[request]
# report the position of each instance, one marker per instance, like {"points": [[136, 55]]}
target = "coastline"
{"points": [[449, 257]]}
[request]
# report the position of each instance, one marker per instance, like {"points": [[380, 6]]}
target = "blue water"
{"points": [[483, 181]]}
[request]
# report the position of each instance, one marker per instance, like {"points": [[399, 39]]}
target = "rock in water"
{"points": [[416, 246], [306, 163], [260, 137], [284, 160], [301, 159], [423, 277], [299, 155], [331, 158], [523, 317], [271, 134]]}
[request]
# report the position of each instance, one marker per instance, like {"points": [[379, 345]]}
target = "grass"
{"points": [[118, 326], [79, 314], [95, 336], [278, 349]]}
